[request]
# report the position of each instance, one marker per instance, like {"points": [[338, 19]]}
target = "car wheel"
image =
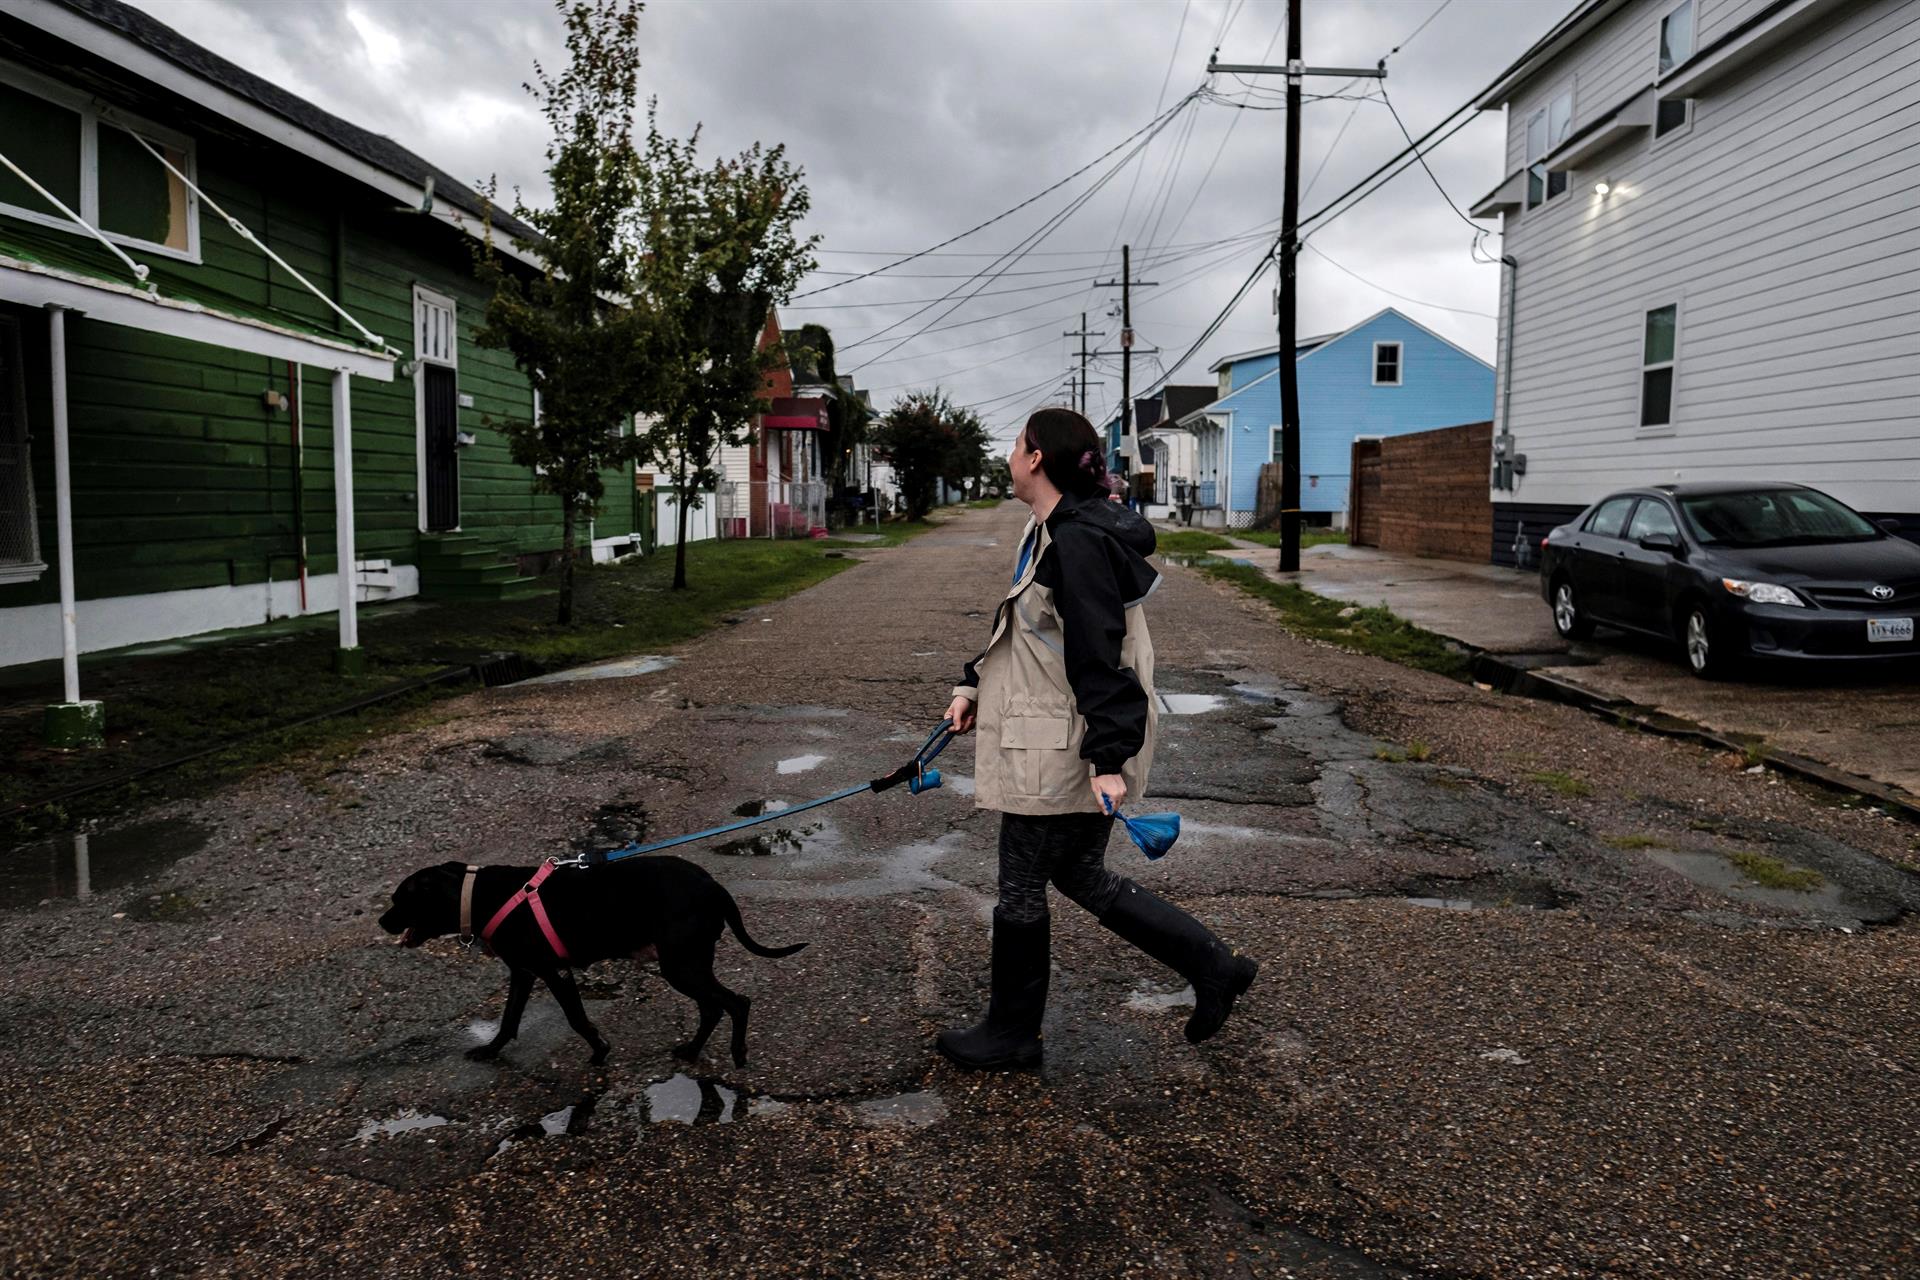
{"points": [[1568, 618], [1706, 649]]}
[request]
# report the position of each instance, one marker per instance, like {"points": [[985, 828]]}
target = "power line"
{"points": [[1421, 302], [1477, 228], [1033, 238], [999, 217]]}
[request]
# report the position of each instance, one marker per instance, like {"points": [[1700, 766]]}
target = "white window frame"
{"points": [[1673, 384], [88, 109], [423, 299], [1545, 111], [1399, 363], [1693, 37], [30, 569]]}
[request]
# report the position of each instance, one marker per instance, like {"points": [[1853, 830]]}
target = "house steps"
{"points": [[465, 566]]}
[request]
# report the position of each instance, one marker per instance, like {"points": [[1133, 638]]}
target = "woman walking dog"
{"points": [[1063, 701]]}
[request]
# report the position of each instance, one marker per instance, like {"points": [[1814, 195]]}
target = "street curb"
{"points": [[1506, 677]]}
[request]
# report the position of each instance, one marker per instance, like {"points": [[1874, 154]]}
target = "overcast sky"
{"points": [[916, 119]]}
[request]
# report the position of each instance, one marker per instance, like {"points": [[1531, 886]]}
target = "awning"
{"points": [[1751, 40], [1502, 199], [1630, 119], [795, 413]]}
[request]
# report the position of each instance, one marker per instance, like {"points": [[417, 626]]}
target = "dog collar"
{"points": [[466, 905]]}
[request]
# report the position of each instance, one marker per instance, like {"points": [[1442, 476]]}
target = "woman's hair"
{"points": [[1071, 451]]}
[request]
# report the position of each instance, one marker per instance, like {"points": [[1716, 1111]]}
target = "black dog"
{"points": [[627, 910]]}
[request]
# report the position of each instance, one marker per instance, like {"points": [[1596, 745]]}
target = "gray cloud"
{"points": [[917, 118]]}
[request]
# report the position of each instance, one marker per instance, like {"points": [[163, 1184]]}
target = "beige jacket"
{"points": [[1030, 726]]}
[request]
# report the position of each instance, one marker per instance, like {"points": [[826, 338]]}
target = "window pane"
{"points": [[43, 139], [1386, 362], [1610, 518], [1536, 185], [1660, 322], [1650, 518], [1278, 448], [1556, 183], [1676, 37], [1656, 397], [1559, 119], [1670, 115], [1537, 136], [138, 197]]}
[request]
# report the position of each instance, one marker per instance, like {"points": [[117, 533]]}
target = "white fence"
{"points": [[771, 509]]}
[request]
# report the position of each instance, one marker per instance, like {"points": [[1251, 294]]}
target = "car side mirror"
{"points": [[1661, 542], [1890, 525]]}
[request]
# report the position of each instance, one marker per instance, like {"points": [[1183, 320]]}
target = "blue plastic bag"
{"points": [[1154, 833]]}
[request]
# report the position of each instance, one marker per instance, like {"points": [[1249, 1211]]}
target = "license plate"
{"points": [[1882, 629]]}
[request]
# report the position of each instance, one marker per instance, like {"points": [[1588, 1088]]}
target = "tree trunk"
{"points": [[566, 561], [680, 540]]}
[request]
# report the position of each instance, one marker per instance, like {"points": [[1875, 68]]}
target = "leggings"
{"points": [[1069, 849]]}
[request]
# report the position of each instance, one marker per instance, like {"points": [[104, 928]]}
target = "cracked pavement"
{"points": [[1521, 1013]]}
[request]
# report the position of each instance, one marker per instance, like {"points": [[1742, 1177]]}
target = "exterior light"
{"points": [[1601, 187]]}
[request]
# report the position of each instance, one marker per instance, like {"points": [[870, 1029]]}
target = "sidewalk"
{"points": [[1857, 720]]}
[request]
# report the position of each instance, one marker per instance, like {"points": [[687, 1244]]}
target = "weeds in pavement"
{"points": [[1416, 751], [891, 534], [1634, 842], [1563, 783], [1754, 754], [1371, 630], [984, 504], [1772, 873]]}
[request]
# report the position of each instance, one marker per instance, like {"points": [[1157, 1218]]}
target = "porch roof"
{"points": [[40, 273]]}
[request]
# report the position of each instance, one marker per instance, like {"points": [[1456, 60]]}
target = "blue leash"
{"points": [[915, 773]]}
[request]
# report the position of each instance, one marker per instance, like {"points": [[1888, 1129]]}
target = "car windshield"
{"points": [[1774, 517]]}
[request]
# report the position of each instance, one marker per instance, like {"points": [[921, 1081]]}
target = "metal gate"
{"points": [[770, 508]]}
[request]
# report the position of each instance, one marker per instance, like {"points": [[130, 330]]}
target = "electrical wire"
{"points": [[1151, 125], [1419, 302]]}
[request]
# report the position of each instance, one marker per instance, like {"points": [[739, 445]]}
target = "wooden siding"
{"points": [[1790, 238], [183, 478]]}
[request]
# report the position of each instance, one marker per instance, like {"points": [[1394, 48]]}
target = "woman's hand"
{"points": [[960, 713], [1110, 789]]}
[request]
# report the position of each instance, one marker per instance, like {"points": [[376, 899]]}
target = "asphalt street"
{"points": [[1525, 1009]]}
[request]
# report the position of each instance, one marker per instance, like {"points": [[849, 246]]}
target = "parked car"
{"points": [[1735, 571]]}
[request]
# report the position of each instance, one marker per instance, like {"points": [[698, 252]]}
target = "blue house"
{"points": [[1386, 376]]}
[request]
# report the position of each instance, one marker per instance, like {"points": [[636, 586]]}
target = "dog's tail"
{"points": [[730, 911]]}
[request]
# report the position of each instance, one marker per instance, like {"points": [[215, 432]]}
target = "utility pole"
{"points": [[1295, 71], [1126, 282], [1082, 333]]}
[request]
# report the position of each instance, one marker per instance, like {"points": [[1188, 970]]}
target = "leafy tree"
{"points": [[721, 250], [928, 439], [579, 329]]}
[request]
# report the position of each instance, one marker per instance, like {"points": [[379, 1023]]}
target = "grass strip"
{"points": [[1367, 629]]}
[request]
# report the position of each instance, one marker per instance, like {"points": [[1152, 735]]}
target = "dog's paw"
{"points": [[739, 1060], [686, 1052], [483, 1053], [600, 1052]]}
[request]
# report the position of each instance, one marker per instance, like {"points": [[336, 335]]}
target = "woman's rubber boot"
{"points": [[1008, 1038], [1219, 975]]}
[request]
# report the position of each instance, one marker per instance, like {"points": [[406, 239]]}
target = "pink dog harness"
{"points": [[529, 894]]}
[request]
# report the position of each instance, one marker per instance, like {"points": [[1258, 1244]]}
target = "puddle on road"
{"points": [[800, 764], [645, 665], [1713, 871], [82, 864], [407, 1120], [767, 844], [902, 1111], [1147, 998], [759, 808], [685, 1099], [613, 826], [1445, 904], [1190, 704]]}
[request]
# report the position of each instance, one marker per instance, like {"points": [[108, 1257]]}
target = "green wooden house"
{"points": [[238, 379]]}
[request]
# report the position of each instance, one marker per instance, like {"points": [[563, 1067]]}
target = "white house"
{"points": [[1712, 225]]}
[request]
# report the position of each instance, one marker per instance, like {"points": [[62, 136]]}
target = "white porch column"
{"points": [[70, 723], [348, 659], [63, 502]]}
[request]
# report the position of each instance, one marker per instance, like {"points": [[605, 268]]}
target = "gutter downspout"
{"points": [[1506, 394]]}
